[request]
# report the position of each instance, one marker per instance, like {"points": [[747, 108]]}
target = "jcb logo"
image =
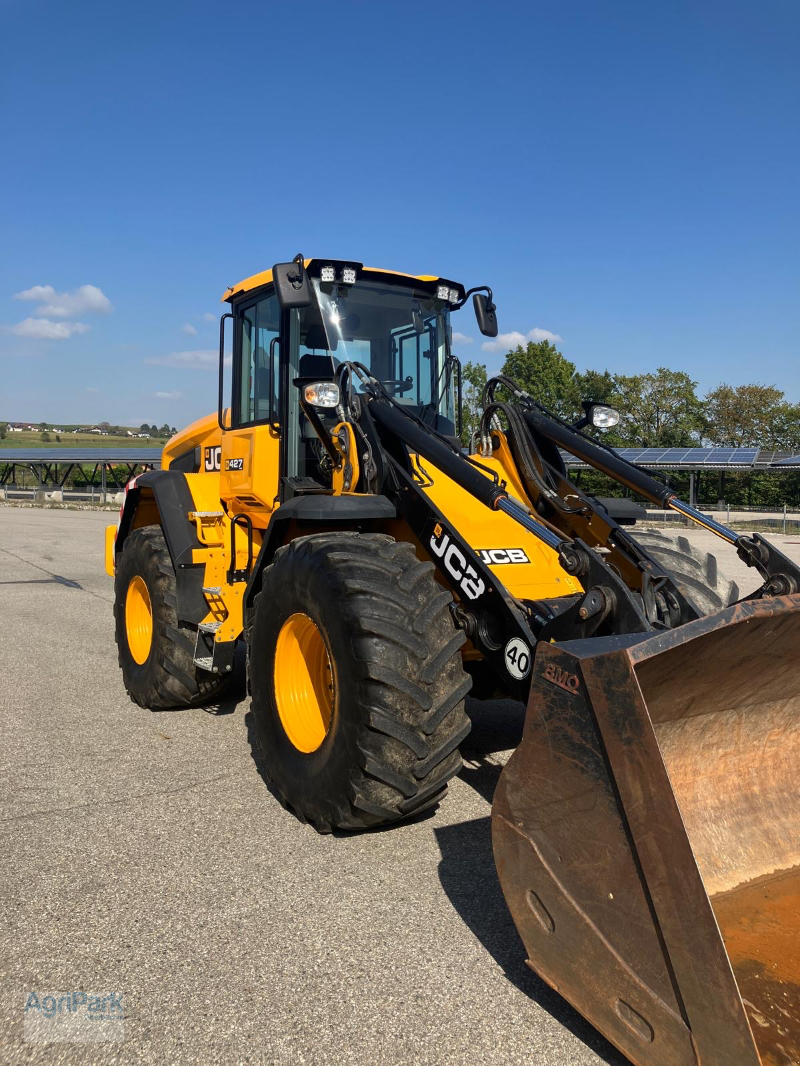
{"points": [[500, 556], [212, 459], [456, 563], [565, 680]]}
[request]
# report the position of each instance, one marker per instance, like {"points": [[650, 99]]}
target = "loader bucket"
{"points": [[647, 836]]}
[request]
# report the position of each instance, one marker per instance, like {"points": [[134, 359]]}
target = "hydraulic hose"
{"points": [[601, 459]]}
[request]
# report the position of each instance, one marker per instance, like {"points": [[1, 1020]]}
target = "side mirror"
{"points": [[486, 314], [291, 284]]}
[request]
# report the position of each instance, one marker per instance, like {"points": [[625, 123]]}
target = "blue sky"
{"points": [[624, 175]]}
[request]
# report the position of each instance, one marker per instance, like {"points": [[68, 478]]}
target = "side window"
{"points": [[417, 361], [259, 362]]}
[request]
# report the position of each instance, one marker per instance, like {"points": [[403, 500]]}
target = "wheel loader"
{"points": [[646, 828]]}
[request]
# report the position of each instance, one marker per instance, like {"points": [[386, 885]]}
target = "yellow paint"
{"points": [[542, 576], [225, 606], [254, 488], [138, 620], [303, 683], [344, 439], [203, 433], [111, 538]]}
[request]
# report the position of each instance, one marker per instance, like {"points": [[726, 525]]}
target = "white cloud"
{"points": [[43, 329], [462, 338], [187, 327], [504, 342], [208, 317], [86, 299], [174, 395], [201, 359]]}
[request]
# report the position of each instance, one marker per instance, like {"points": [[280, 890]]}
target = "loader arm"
{"points": [[531, 423], [504, 629]]}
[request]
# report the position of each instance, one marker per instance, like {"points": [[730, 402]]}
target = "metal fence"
{"points": [[745, 520]]}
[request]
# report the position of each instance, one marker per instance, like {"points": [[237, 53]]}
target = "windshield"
{"points": [[399, 333]]}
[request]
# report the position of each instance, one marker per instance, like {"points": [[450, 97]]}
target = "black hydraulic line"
{"points": [[601, 459]]}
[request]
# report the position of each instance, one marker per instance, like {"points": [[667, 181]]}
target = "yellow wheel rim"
{"points": [[303, 683], [138, 620]]}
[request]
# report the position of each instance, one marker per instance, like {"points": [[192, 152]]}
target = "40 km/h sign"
{"points": [[518, 658]]}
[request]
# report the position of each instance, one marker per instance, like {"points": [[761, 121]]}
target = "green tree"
{"points": [[595, 385], [153, 430], [45, 436], [3, 430], [785, 427], [746, 416], [542, 370], [658, 410], [164, 431], [473, 378]]}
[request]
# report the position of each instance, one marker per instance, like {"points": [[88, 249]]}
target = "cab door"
{"points": [[250, 457]]}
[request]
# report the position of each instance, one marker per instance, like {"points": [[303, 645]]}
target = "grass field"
{"points": [[28, 440]]}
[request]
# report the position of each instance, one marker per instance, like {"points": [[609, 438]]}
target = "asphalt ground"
{"points": [[143, 854]]}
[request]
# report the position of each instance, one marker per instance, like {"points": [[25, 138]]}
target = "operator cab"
{"points": [[294, 327]]}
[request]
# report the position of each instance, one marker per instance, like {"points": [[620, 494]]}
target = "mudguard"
{"points": [[174, 501]]}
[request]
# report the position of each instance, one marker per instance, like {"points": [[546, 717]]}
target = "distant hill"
{"points": [[19, 433]]}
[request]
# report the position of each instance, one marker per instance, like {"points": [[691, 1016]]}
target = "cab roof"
{"points": [[257, 281]]}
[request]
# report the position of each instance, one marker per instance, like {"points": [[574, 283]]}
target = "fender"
{"points": [[173, 500], [316, 513]]}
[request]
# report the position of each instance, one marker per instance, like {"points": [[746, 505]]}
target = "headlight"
{"points": [[349, 276], [453, 296], [602, 416], [322, 394], [327, 273], [443, 292]]}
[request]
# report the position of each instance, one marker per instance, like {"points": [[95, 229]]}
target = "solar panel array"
{"points": [[700, 458], [690, 456]]}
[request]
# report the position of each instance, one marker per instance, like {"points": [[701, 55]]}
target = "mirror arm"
{"points": [[490, 304], [301, 266]]}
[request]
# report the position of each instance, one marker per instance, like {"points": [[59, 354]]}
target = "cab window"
{"points": [[259, 359]]}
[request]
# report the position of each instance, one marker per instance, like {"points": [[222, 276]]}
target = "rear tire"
{"points": [[167, 676], [389, 742], [694, 571]]}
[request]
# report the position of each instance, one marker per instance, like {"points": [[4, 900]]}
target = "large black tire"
{"points": [[168, 677], [694, 571], [398, 684]]}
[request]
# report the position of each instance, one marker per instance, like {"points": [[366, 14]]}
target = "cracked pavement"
{"points": [[143, 854]]}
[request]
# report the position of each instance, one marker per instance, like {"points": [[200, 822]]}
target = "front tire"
{"points": [[356, 679], [156, 656]]}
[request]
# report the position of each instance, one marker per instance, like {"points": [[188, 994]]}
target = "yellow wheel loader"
{"points": [[646, 830]]}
